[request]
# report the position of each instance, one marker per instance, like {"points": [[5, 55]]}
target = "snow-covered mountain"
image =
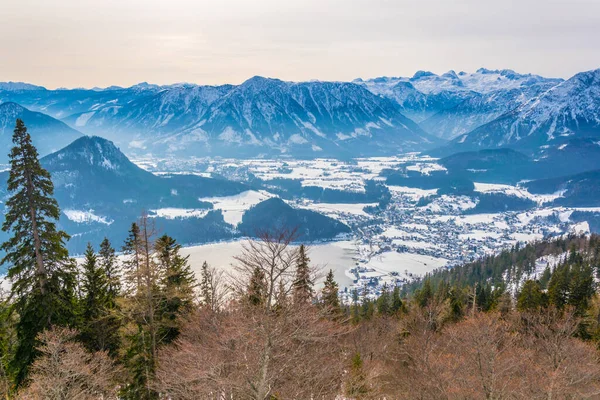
{"points": [[480, 109], [260, 116], [19, 87], [62, 103], [264, 116], [451, 104], [48, 134], [153, 112], [565, 111]]}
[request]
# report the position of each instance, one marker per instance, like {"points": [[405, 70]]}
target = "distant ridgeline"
{"points": [[453, 112], [557, 267]]}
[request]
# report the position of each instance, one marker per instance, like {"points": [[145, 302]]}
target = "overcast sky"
{"points": [[82, 43]]}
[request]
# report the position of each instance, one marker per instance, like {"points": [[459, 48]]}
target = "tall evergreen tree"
{"points": [[100, 324], [108, 261], [303, 284], [94, 285], [132, 249], [424, 295], [581, 287], [330, 296], [42, 274], [257, 288], [531, 297], [206, 286], [178, 284], [384, 301], [142, 306], [558, 287], [396, 300]]}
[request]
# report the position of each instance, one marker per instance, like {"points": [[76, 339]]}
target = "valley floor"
{"points": [[408, 238]]}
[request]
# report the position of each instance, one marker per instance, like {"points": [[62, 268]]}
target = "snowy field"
{"points": [[234, 207]]}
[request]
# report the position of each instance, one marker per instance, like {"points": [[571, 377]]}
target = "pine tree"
{"points": [[142, 306], [357, 387], [456, 304], [257, 288], [545, 277], [132, 251], [330, 297], [558, 287], [178, 283], [303, 284], [281, 297], [384, 301], [42, 274], [108, 262], [581, 287], [531, 297], [424, 295], [206, 286], [100, 323], [396, 300]]}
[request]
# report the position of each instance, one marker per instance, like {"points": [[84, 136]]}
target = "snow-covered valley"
{"points": [[416, 232]]}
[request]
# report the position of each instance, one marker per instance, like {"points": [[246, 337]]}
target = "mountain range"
{"points": [[440, 114]]}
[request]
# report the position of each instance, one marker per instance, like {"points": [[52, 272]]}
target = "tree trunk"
{"points": [[37, 242]]}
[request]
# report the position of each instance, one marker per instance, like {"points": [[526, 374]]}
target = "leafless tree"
{"points": [[213, 290], [274, 256], [562, 366], [493, 357], [247, 353], [65, 370]]}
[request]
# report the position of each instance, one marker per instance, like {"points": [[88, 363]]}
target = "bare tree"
{"points": [[65, 370], [274, 257], [487, 356], [213, 289], [562, 366], [249, 354]]}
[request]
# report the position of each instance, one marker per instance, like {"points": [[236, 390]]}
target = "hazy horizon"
{"points": [[72, 43]]}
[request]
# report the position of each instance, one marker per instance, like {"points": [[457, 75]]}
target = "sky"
{"points": [[83, 43]]}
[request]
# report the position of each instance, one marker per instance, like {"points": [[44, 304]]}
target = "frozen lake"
{"points": [[338, 256], [332, 255]]}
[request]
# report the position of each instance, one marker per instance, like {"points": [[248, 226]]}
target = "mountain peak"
{"points": [[92, 151], [450, 74], [260, 82], [422, 74], [11, 107]]}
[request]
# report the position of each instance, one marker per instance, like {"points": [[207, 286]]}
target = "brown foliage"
{"points": [[250, 353], [65, 370], [489, 357]]}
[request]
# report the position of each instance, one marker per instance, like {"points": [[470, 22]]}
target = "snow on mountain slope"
{"points": [[48, 134], [270, 116], [480, 109], [171, 109], [18, 87], [451, 104], [568, 110]]}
